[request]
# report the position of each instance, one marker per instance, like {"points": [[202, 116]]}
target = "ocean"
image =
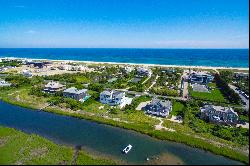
{"points": [[189, 57]]}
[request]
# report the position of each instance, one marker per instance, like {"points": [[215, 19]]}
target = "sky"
{"points": [[124, 24]]}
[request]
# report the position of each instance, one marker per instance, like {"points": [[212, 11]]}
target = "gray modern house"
{"points": [[76, 94], [200, 78], [142, 72], [219, 114], [158, 107]]}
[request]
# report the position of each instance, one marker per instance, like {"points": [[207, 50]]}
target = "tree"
{"points": [[96, 87]]}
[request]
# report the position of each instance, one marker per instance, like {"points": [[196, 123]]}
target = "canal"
{"points": [[103, 139]]}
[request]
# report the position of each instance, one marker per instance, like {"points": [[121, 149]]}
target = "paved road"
{"points": [[185, 84], [154, 82], [241, 96]]}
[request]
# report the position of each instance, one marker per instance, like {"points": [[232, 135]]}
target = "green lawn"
{"points": [[177, 108], [19, 148], [214, 96]]}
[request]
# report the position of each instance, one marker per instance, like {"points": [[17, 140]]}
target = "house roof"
{"points": [[117, 94], [218, 108], [75, 90], [54, 85]]}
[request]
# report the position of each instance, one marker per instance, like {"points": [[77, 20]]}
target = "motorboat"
{"points": [[127, 149]]}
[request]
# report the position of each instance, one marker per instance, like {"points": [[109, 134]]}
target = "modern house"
{"points": [[128, 69], [171, 70], [27, 73], [143, 72], [200, 78], [114, 98], [158, 107], [76, 94], [219, 114], [240, 75], [4, 83], [53, 87], [38, 64]]}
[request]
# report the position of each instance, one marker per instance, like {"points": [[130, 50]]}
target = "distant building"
{"points": [[76, 94], [219, 114], [200, 78], [53, 87], [171, 70], [158, 108], [38, 64], [27, 73], [240, 75], [4, 83], [143, 72], [128, 69], [114, 98]]}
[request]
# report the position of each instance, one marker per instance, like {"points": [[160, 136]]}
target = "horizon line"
{"points": [[108, 48]]}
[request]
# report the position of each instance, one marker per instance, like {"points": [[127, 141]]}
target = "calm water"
{"points": [[101, 138], [191, 57]]}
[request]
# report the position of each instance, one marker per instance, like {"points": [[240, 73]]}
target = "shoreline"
{"points": [[221, 151], [132, 64]]}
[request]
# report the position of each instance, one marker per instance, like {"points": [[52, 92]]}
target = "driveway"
{"points": [[241, 96]]}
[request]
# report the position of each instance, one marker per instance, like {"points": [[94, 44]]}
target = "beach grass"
{"points": [[19, 148]]}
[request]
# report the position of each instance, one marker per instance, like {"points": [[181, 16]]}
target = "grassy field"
{"points": [[214, 96], [177, 108], [19, 148]]}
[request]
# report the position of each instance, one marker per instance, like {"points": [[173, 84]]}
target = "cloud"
{"points": [[31, 32], [19, 6]]}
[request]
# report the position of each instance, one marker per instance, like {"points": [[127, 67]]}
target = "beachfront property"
{"points": [[128, 69], [171, 70], [27, 73], [74, 93], [158, 107], [38, 64], [52, 87], [219, 114], [114, 98], [74, 68], [240, 75], [3, 83], [200, 78], [142, 72]]}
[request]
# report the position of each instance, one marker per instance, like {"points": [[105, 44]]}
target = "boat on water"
{"points": [[127, 149]]}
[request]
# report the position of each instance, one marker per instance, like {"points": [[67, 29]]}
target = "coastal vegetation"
{"points": [[19, 148], [222, 140], [226, 90]]}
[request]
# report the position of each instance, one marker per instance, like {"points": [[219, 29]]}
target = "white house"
{"points": [[114, 98], [4, 83], [27, 73], [128, 69]]}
